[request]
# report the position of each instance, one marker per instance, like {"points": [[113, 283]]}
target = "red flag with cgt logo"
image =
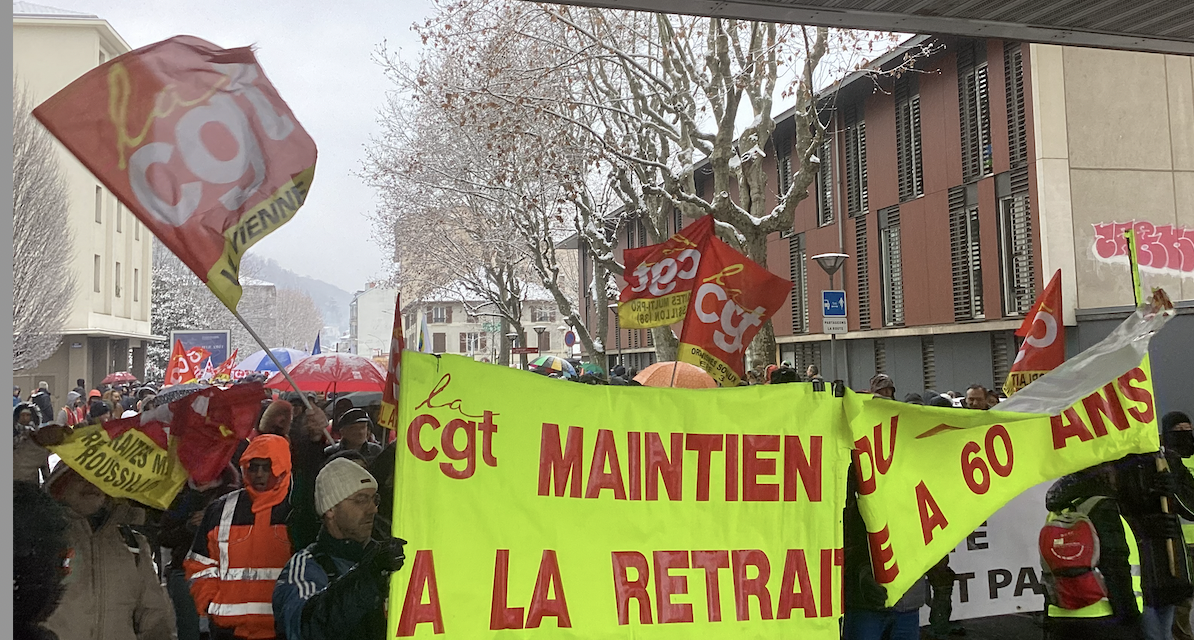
{"points": [[660, 277], [196, 142], [1044, 339], [732, 297]]}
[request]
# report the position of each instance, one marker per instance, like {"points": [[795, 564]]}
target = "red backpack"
{"points": [[1069, 548]]}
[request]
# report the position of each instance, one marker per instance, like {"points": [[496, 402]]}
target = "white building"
{"points": [[454, 330], [371, 321], [109, 320]]}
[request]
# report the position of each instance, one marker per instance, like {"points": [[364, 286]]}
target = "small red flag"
{"points": [[732, 298], [1044, 339], [225, 368], [388, 417], [179, 369]]}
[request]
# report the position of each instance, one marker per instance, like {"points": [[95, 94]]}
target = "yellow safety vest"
{"points": [[1102, 608], [1188, 526]]}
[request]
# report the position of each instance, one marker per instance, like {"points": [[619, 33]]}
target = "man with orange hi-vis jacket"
{"points": [[242, 545]]}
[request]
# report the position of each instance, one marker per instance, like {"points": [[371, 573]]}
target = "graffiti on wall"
{"points": [[1162, 248]]}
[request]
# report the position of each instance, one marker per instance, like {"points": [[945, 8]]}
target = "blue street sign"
{"points": [[833, 304]]}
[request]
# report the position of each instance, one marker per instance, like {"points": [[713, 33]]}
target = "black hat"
{"points": [[99, 408], [353, 416]]}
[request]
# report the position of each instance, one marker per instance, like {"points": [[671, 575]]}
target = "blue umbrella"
{"points": [[261, 362]]}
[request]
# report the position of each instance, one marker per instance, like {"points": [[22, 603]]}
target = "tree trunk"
{"points": [[763, 347], [667, 345]]}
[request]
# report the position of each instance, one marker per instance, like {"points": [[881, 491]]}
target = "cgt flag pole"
{"points": [[272, 357]]}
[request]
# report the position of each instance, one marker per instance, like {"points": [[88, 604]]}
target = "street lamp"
{"points": [[539, 330], [830, 263], [513, 338]]}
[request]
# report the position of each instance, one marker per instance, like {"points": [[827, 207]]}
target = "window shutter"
{"points": [[783, 163], [448, 312], [908, 148], [484, 342], [825, 183], [918, 179], [891, 260], [1017, 129], [864, 279], [965, 256], [880, 355], [463, 343], [1018, 246], [797, 272], [439, 342], [642, 232], [545, 342], [852, 168], [1001, 349], [928, 359]]}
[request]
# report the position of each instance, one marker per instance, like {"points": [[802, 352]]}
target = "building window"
{"points": [[1017, 126], [974, 111], [1003, 348], [908, 150], [119, 217], [118, 282], [825, 182], [783, 163], [965, 254], [441, 314], [439, 342], [863, 268], [473, 343], [545, 341], [99, 204], [856, 178], [1018, 282], [677, 220], [798, 273], [543, 314], [892, 266], [880, 355], [97, 274], [136, 285]]}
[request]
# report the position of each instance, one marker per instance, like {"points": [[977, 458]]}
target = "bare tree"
{"points": [[299, 319], [44, 284]]}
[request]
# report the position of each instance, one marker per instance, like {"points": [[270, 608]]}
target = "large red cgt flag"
{"points": [[388, 417], [196, 142], [1044, 339], [733, 297], [660, 277]]}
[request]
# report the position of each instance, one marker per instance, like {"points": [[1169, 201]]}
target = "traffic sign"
{"points": [[833, 312], [527, 351], [570, 338], [833, 304]]}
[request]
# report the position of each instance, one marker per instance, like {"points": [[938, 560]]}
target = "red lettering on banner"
{"points": [[634, 444], [731, 467], [877, 464], [796, 570], [667, 585], [468, 453], [805, 467], [931, 516], [412, 437], [1066, 426], [1107, 404], [704, 444], [830, 558], [1137, 394], [414, 610], [745, 587], [547, 582], [560, 467], [711, 561], [488, 428], [625, 589], [753, 466], [605, 451], [500, 615], [659, 466], [881, 555]]}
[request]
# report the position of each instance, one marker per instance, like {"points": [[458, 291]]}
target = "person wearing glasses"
{"points": [[336, 587]]}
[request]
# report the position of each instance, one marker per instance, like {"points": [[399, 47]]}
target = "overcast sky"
{"points": [[319, 56]]}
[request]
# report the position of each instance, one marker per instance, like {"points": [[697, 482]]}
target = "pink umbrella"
{"points": [[332, 372]]}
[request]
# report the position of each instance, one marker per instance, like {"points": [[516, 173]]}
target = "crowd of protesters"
{"points": [[292, 540]]}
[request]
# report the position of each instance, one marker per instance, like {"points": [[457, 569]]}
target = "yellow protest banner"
{"points": [[536, 507], [130, 465], [929, 476]]}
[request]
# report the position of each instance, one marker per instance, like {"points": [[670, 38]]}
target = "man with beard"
{"points": [[337, 586]]}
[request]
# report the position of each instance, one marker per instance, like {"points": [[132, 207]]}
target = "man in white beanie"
{"points": [[337, 586]]}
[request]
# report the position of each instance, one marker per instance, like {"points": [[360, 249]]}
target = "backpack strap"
{"points": [[325, 562], [130, 541], [1088, 505]]}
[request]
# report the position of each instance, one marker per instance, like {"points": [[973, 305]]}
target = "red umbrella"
{"points": [[120, 377], [328, 372]]}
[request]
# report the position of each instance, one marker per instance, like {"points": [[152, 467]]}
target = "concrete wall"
{"points": [[374, 321]]}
